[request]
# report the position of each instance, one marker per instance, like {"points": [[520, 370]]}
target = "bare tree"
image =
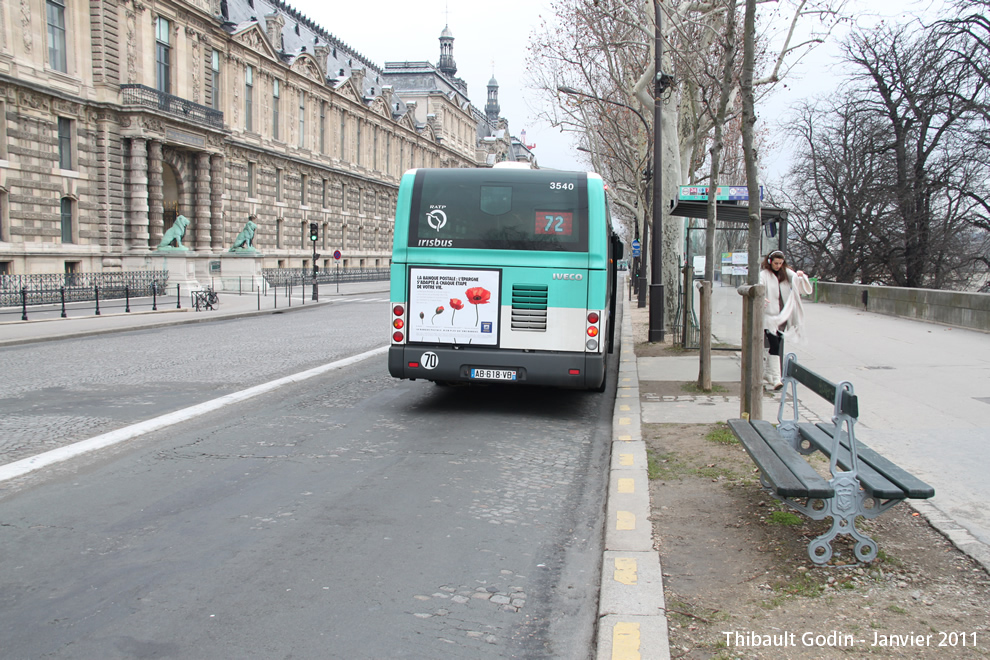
{"points": [[727, 89], [890, 183], [841, 204], [604, 49]]}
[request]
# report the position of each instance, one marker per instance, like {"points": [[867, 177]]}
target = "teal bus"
{"points": [[503, 275]]}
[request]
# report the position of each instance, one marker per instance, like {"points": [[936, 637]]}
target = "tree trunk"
{"points": [[705, 337], [751, 401]]}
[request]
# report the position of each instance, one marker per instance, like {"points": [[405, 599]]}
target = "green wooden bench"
{"points": [[862, 483]]}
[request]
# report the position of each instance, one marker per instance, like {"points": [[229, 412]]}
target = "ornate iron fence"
{"points": [[46, 288], [284, 276]]}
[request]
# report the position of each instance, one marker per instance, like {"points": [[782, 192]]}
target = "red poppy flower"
{"points": [[478, 295], [438, 313], [455, 303]]}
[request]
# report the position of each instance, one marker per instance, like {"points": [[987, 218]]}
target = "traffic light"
{"points": [[314, 232]]}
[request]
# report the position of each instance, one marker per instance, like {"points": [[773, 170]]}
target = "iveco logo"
{"points": [[568, 276]]}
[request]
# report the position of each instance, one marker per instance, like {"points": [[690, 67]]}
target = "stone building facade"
{"points": [[121, 115]]}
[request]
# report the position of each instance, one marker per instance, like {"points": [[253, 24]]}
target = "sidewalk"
{"points": [[232, 305], [633, 620]]}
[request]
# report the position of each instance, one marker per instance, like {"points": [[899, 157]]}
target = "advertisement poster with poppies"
{"points": [[454, 305]]}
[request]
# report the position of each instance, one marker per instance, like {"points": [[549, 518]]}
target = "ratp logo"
{"points": [[436, 219]]}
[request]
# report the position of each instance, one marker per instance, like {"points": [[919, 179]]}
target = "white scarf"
{"points": [[793, 312]]}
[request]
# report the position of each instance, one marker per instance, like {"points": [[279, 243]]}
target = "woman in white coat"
{"points": [[782, 311]]}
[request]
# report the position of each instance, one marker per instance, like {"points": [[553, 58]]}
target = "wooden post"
{"points": [[751, 382], [705, 337], [686, 305]]}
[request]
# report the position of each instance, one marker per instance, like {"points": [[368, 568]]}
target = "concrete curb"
{"points": [[632, 621]]}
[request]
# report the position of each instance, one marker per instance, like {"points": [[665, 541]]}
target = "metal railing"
{"points": [[51, 288], [147, 97], [331, 275]]}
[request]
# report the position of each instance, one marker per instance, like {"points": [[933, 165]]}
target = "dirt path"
{"points": [[739, 584]]}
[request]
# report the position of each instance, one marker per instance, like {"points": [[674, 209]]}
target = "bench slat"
{"points": [[875, 484], [784, 482], [816, 485], [910, 484]]}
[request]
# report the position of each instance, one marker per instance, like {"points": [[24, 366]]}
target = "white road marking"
{"points": [[26, 465]]}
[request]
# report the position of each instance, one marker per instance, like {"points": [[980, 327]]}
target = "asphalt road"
{"points": [[348, 516]]}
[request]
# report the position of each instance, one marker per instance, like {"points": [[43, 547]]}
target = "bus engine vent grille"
{"points": [[529, 307]]}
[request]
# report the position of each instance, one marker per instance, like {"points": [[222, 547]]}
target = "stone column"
{"points": [[156, 194], [201, 201], [216, 202], [138, 189]]}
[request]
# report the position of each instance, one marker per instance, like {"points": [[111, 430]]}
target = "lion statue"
{"points": [[245, 238], [175, 233]]}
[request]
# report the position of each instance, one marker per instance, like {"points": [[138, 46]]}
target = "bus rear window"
{"points": [[500, 210]]}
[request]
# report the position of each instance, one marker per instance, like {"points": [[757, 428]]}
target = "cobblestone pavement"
{"points": [[53, 394]]}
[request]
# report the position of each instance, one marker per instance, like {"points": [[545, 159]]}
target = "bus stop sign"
{"points": [[635, 248]]}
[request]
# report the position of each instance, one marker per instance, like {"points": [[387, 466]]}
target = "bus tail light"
{"points": [[398, 323], [594, 321], [574, 372]]}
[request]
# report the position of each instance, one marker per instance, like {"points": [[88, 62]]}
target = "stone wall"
{"points": [[956, 308]]}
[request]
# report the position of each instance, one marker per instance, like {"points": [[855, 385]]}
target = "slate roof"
{"points": [[300, 32]]}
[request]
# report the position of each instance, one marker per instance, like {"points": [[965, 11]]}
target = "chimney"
{"points": [[321, 52], [273, 28]]}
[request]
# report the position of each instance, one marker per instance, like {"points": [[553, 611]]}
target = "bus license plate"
{"points": [[494, 374]]}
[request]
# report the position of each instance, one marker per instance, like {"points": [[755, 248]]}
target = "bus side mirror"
{"points": [[617, 249]]}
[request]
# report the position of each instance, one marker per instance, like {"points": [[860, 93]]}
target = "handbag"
{"points": [[773, 342]]}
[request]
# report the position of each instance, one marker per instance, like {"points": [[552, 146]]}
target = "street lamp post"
{"points": [[656, 284]]}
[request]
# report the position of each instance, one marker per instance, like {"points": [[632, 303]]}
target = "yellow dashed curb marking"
{"points": [[625, 521], [625, 641], [624, 421], [625, 571], [626, 459], [627, 485]]}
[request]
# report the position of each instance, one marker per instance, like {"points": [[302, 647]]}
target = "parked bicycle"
{"points": [[206, 298]]}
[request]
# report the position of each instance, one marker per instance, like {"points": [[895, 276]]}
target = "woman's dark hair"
{"points": [[782, 273]]}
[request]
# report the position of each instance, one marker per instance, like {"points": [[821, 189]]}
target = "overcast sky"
{"points": [[493, 38], [488, 37]]}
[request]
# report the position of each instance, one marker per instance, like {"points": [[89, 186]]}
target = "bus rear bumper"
{"points": [[455, 365]]}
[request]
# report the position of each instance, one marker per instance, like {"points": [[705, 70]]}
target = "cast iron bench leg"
{"points": [[847, 505]]}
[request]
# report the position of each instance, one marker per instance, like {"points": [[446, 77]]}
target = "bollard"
{"points": [[62, 292], [127, 299], [259, 298], [178, 297], [154, 298], [24, 304], [96, 290]]}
